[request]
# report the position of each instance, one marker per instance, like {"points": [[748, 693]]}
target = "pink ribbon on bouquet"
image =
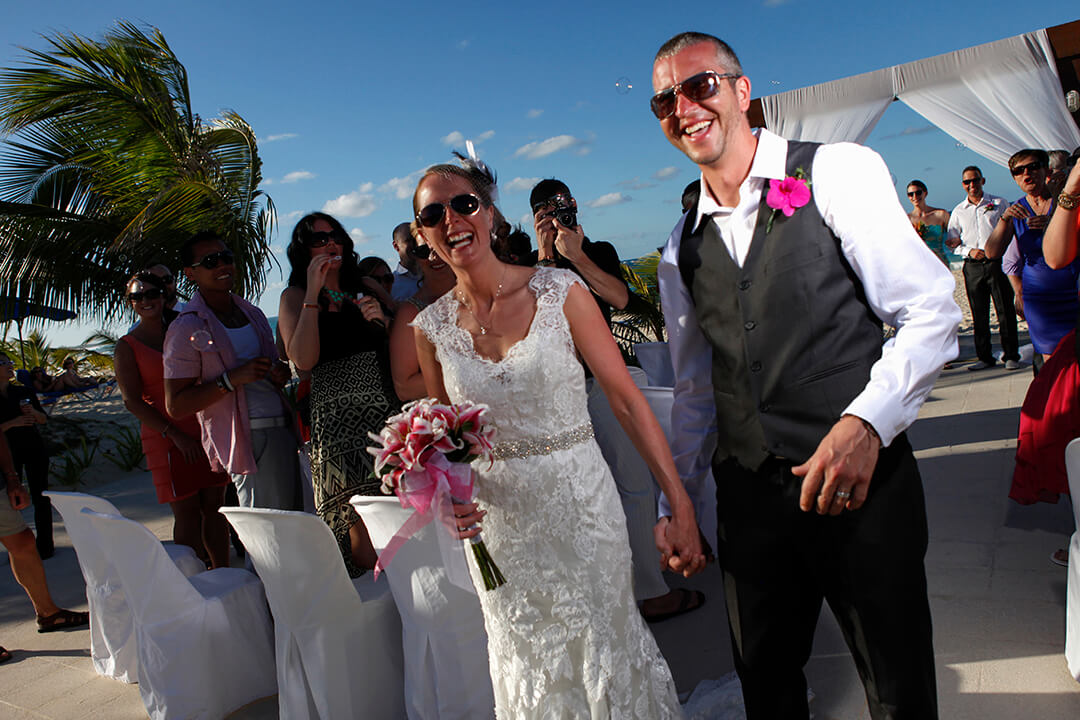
{"points": [[428, 492]]}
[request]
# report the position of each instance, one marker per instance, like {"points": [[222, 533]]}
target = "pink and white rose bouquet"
{"points": [[423, 457]]}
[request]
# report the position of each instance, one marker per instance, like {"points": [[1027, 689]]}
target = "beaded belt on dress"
{"points": [[543, 445]]}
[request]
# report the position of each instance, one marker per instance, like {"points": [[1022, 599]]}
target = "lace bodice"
{"points": [[538, 388]]}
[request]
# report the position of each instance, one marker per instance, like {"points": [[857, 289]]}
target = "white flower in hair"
{"points": [[472, 161]]}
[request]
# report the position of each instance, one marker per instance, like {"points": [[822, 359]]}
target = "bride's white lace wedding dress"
{"points": [[565, 639]]}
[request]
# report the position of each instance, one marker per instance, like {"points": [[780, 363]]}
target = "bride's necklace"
{"points": [[498, 291]]}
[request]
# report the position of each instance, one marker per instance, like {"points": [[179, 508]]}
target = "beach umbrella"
{"points": [[17, 309]]}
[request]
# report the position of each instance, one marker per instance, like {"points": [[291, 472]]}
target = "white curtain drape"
{"points": [[995, 98], [835, 111]]}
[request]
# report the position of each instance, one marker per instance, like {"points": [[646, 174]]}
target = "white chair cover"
{"points": [[655, 359], [1072, 602], [112, 637], [338, 654], [661, 400], [446, 660], [204, 643]]}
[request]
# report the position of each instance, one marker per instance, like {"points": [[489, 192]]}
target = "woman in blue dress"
{"points": [[1048, 297], [930, 222]]}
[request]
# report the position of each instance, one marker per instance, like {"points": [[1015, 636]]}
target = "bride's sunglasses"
{"points": [[431, 215], [696, 88]]}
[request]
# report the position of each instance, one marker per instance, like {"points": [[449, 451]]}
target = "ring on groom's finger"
{"points": [[842, 495]]}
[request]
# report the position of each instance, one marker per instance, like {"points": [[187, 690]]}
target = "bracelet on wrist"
{"points": [[1068, 201], [546, 262], [223, 382], [313, 306]]}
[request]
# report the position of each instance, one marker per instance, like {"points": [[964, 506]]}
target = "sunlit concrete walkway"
{"points": [[998, 603]]}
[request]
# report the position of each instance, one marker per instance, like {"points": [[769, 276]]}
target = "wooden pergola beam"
{"points": [[1064, 40]]}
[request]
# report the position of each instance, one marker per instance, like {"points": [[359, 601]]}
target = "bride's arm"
{"points": [[597, 346]]}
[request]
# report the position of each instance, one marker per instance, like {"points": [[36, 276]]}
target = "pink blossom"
{"points": [[787, 195]]}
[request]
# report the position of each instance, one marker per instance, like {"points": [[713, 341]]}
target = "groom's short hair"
{"points": [[727, 57]]}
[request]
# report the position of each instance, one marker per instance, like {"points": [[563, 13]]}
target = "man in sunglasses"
{"points": [[597, 263], [774, 287], [221, 363], [970, 226], [407, 276]]}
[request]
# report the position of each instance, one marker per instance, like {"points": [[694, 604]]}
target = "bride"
{"points": [[565, 638]]}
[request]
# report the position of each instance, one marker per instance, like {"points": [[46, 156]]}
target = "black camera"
{"points": [[563, 210]]}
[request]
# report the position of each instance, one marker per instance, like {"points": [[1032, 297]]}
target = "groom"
{"points": [[774, 288]]}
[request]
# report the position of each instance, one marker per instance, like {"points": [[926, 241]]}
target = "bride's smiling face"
{"points": [[458, 236]]}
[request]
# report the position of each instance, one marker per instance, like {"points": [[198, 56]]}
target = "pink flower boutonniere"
{"points": [[787, 195], [991, 205]]}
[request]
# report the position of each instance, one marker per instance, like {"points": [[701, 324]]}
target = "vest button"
{"points": [[750, 325], [744, 285], [755, 366]]}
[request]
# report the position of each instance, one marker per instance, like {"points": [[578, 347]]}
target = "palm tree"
{"points": [[641, 320], [106, 167]]}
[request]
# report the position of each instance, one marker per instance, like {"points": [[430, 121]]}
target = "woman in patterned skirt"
{"points": [[333, 329]]}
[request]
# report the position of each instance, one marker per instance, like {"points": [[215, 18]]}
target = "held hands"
{"points": [[837, 475], [467, 518], [252, 371], [679, 543]]}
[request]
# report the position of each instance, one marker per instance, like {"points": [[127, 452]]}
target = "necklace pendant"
{"points": [[483, 330]]}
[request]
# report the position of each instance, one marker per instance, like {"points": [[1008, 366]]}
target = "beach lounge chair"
{"points": [[338, 641], [205, 643], [89, 393], [112, 633]]}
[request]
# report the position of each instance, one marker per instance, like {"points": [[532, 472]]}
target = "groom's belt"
{"points": [[526, 447]]}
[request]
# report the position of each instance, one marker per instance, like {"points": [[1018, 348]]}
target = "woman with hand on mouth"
{"points": [[174, 455], [436, 280], [333, 329]]}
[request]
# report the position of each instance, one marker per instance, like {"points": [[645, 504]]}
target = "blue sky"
{"points": [[351, 100]]}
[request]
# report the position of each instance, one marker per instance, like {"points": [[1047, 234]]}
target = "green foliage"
{"points": [[106, 166], [641, 320], [69, 468], [127, 453]]}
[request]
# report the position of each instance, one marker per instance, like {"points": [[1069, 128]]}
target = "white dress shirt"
{"points": [[973, 223], [906, 286]]}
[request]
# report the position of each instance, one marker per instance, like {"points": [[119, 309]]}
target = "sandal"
{"points": [[62, 620], [689, 600], [1060, 557], [4, 655]]}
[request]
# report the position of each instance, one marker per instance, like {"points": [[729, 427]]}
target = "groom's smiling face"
{"points": [[704, 130]]}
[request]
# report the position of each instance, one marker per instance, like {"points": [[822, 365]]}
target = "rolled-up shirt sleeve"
{"points": [[905, 284], [181, 358], [693, 414]]}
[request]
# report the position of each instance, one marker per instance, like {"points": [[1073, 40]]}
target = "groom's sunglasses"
{"points": [[431, 215], [212, 260], [696, 88]]}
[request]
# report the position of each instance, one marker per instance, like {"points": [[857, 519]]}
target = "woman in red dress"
{"points": [[174, 455]]}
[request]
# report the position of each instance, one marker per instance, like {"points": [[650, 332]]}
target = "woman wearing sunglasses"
{"points": [[436, 279], [565, 637], [337, 332], [931, 223], [174, 455]]}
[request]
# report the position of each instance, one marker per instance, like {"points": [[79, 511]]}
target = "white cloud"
{"points": [[359, 203], [665, 173], [486, 135], [615, 198], [454, 138], [267, 181], [635, 183], [402, 187], [534, 113], [288, 217], [544, 148], [520, 184], [526, 220], [462, 44], [297, 176], [279, 136], [359, 237]]}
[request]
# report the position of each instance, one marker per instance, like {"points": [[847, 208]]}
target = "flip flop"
{"points": [[4, 655], [62, 620], [689, 600]]}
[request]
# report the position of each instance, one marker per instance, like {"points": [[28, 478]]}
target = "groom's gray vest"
{"points": [[792, 335]]}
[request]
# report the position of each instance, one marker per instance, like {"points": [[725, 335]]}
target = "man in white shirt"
{"points": [[970, 226], [774, 288], [407, 276]]}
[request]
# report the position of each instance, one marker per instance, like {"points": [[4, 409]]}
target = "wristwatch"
{"points": [[1067, 201]]}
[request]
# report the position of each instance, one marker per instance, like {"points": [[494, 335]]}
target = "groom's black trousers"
{"points": [[779, 564]]}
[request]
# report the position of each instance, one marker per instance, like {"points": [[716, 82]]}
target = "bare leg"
{"points": [[363, 552], [29, 572], [215, 528], [187, 524]]}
